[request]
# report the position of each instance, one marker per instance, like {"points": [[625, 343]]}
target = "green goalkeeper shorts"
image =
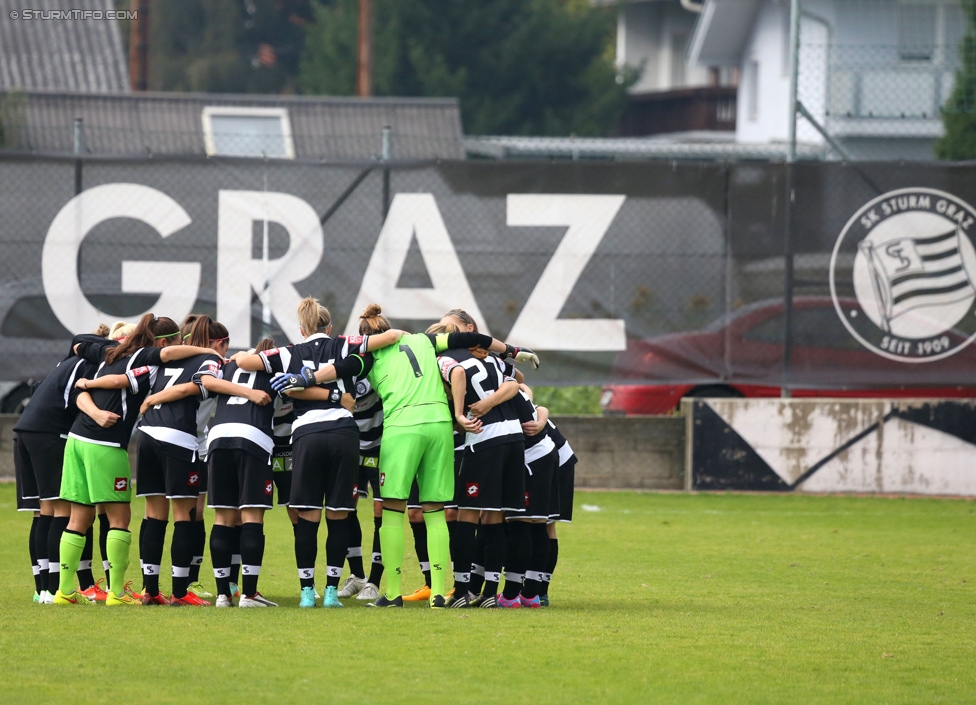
{"points": [[95, 473], [424, 452]]}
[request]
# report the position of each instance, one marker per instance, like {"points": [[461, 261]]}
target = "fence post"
{"points": [[79, 150], [386, 155], [788, 202]]}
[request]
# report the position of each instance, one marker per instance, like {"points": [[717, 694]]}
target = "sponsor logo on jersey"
{"points": [[471, 489], [268, 487], [269, 353], [354, 339], [382, 478], [139, 371], [193, 480], [446, 363], [121, 484], [909, 259], [372, 462]]}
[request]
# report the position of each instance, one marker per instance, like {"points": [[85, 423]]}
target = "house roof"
{"points": [[171, 123], [61, 54], [722, 30]]}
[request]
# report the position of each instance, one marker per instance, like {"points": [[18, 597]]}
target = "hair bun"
{"points": [[371, 311]]}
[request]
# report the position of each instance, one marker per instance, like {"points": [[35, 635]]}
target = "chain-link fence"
{"points": [[875, 77]]}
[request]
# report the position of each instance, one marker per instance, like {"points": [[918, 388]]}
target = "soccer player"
{"points": [[96, 464], [417, 439], [240, 444], [325, 443], [39, 441], [565, 486]]}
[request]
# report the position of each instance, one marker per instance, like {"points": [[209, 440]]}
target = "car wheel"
{"points": [[16, 400], [715, 391]]}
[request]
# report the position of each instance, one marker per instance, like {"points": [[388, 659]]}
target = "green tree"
{"points": [[524, 67], [959, 113]]}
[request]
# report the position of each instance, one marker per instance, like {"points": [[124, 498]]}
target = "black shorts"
{"points": [[458, 456], [566, 484], [239, 479], [541, 491], [494, 478], [326, 467], [281, 469], [159, 473], [369, 477], [38, 458], [201, 466]]}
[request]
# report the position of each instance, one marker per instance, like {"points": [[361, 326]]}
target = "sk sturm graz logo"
{"points": [[913, 273]]}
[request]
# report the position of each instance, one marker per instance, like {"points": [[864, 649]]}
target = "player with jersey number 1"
{"points": [[417, 439]]}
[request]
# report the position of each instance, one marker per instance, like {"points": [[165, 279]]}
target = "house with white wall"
{"points": [[873, 73]]}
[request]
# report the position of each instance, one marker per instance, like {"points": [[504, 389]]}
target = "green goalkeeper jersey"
{"points": [[408, 380]]}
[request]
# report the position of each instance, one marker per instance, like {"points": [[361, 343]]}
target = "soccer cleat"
{"points": [[234, 590], [308, 597], [46, 598], [383, 601], [257, 600], [157, 599], [113, 600], [419, 595], [224, 601], [369, 592], [513, 604], [458, 603], [487, 602], [530, 602], [352, 586], [188, 600], [544, 600], [437, 602], [95, 592], [127, 589], [72, 598], [331, 597], [199, 590], [37, 598]]}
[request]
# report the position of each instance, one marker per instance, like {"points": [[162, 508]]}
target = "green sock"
{"points": [[391, 546], [117, 547], [438, 550], [72, 545]]}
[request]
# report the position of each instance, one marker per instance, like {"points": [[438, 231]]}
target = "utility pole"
{"points": [[364, 58], [139, 46]]}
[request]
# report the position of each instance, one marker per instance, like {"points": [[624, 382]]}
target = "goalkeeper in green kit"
{"points": [[417, 438]]}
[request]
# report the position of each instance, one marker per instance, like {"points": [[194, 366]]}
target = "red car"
{"points": [[742, 356]]}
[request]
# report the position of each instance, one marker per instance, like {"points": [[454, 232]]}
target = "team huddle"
{"points": [[439, 426]]}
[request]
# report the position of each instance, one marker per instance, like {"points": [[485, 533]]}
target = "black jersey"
{"points": [[175, 422], [141, 368], [239, 423], [539, 445], [566, 454], [501, 424], [52, 405], [316, 352], [284, 417], [368, 413]]}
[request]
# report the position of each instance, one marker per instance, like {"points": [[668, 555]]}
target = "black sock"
{"points": [[550, 566], [336, 544], [142, 527], [478, 564], [103, 527], [252, 554], [420, 546], [32, 549], [58, 526], [181, 555], [199, 542], [235, 558], [43, 528], [151, 540], [451, 537], [220, 552], [306, 550], [494, 556], [538, 560], [85, 577], [354, 554], [462, 561], [376, 568]]}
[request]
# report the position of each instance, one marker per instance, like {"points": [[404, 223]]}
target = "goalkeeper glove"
{"points": [[288, 382], [522, 355]]}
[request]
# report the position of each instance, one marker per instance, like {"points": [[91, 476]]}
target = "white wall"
{"points": [[763, 97]]}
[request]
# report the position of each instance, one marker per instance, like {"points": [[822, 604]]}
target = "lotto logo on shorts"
{"points": [[382, 478], [355, 490], [526, 499], [268, 487], [121, 484], [193, 480], [471, 489]]}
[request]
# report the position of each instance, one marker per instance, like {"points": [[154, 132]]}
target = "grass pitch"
{"points": [[657, 598]]}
